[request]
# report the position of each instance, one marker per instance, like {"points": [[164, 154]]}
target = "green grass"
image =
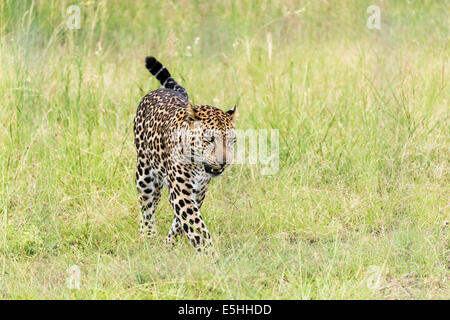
{"points": [[364, 149]]}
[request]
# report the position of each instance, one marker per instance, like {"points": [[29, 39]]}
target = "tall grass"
{"points": [[363, 183]]}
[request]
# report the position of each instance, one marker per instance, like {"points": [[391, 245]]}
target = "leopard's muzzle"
{"points": [[214, 171]]}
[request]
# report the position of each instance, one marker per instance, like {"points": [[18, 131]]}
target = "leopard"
{"points": [[181, 146]]}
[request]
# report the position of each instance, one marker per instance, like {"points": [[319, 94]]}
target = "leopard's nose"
{"points": [[224, 159]]}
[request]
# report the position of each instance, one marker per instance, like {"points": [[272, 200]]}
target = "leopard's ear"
{"points": [[190, 112], [233, 113]]}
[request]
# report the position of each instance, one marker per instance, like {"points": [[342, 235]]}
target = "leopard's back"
{"points": [[159, 114]]}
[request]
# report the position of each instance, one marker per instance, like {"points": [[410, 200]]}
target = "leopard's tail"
{"points": [[162, 74]]}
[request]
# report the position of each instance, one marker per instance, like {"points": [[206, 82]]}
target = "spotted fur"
{"points": [[181, 146]]}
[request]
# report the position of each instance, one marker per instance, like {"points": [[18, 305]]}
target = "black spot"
{"points": [[181, 202], [180, 180], [148, 179], [186, 192], [185, 227], [177, 208], [189, 211], [141, 184], [184, 215]]}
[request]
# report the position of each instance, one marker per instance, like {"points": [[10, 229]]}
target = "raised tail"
{"points": [[162, 74]]}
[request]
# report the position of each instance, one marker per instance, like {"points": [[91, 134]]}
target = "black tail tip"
{"points": [[150, 62]]}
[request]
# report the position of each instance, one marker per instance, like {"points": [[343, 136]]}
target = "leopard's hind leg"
{"points": [[149, 188]]}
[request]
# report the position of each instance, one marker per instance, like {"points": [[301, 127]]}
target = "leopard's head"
{"points": [[212, 137]]}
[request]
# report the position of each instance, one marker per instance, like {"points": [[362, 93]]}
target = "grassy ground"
{"points": [[358, 209]]}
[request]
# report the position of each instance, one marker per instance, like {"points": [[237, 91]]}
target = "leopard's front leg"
{"points": [[188, 213], [198, 195], [174, 231]]}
